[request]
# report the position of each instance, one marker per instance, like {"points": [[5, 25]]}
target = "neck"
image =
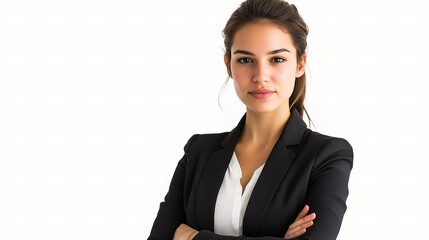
{"points": [[264, 128]]}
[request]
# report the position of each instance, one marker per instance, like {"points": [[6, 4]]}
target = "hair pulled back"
{"points": [[282, 14]]}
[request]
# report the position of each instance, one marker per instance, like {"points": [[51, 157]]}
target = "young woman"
{"points": [[260, 179]]}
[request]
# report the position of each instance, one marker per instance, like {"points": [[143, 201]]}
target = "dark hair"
{"points": [[282, 14]]}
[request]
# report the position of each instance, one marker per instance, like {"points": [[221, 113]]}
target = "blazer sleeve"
{"points": [[171, 212], [326, 194], [328, 189]]}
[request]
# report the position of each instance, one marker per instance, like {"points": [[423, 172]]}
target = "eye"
{"points": [[277, 60], [244, 60]]}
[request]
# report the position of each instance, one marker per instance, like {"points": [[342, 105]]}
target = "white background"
{"points": [[97, 99]]}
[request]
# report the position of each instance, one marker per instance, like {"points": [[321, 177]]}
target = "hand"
{"points": [[302, 222], [184, 232]]}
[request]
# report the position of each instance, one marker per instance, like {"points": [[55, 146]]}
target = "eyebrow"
{"points": [[252, 54]]}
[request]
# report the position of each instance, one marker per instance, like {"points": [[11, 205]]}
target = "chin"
{"points": [[261, 109], [267, 107]]}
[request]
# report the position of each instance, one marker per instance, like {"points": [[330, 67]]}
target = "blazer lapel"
{"points": [[212, 178], [276, 167]]}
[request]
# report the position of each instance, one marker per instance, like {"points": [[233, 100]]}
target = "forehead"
{"points": [[262, 36]]}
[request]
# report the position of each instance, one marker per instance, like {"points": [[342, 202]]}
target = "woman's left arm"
{"points": [[328, 189]]}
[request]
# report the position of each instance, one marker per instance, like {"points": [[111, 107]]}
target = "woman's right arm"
{"points": [[171, 211]]}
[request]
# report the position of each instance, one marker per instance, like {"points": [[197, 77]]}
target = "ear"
{"points": [[300, 68], [227, 61]]}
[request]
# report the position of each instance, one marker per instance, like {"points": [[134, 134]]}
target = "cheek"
{"points": [[240, 73], [241, 79], [286, 81], [290, 87]]}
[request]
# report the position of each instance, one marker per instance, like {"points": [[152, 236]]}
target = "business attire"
{"points": [[304, 167]]}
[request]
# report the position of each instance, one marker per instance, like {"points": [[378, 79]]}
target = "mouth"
{"points": [[261, 93]]}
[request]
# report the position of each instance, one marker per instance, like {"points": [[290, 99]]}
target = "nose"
{"points": [[260, 73]]}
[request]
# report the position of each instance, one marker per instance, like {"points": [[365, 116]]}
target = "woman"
{"points": [[260, 179]]}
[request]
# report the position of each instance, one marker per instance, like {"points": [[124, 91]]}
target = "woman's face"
{"points": [[264, 67]]}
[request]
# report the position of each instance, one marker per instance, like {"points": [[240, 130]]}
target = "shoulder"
{"points": [[208, 141], [199, 148], [322, 141], [327, 150]]}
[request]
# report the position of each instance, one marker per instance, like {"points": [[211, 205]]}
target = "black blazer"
{"points": [[304, 167]]}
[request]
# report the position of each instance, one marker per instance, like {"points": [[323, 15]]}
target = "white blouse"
{"points": [[231, 204]]}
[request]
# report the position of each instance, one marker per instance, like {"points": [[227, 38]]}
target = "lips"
{"points": [[261, 93]]}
